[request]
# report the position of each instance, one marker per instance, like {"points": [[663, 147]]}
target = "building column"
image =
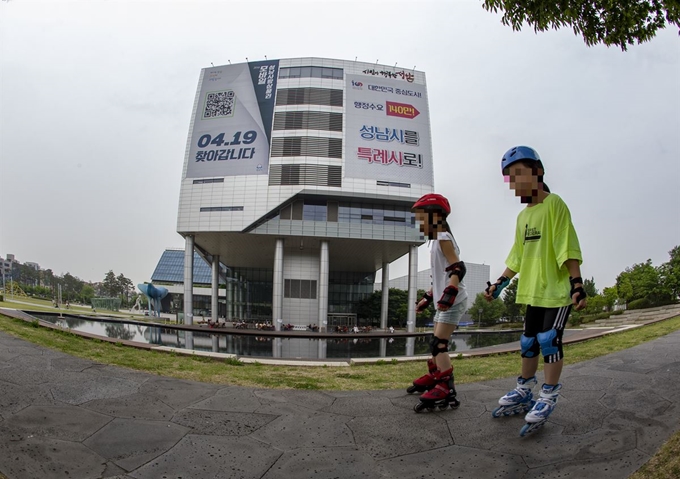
{"points": [[277, 289], [412, 288], [385, 295], [214, 298], [189, 279], [230, 297], [189, 289], [241, 285], [324, 271]]}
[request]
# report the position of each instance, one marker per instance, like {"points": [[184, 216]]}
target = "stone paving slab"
{"points": [[67, 417]]}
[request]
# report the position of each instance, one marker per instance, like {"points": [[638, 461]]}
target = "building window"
{"points": [[307, 120], [307, 146], [206, 209], [309, 96], [208, 180], [314, 210], [311, 72], [317, 175], [299, 288]]}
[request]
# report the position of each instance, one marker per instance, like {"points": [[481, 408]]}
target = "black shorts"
{"points": [[541, 320]]}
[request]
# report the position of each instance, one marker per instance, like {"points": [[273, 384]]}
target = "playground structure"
{"points": [[12, 289], [155, 295]]}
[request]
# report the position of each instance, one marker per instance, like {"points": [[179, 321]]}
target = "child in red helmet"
{"points": [[547, 256], [448, 289]]}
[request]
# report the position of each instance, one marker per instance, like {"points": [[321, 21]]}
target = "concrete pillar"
{"points": [[241, 289], [277, 293], [189, 289], [324, 271], [214, 298], [189, 279], [412, 288], [230, 297], [385, 295]]}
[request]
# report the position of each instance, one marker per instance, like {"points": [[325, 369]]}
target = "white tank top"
{"points": [[438, 265]]}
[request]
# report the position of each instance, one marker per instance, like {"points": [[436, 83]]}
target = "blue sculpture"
{"points": [[155, 295]]}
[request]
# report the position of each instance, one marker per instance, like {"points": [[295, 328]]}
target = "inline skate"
{"points": [[441, 396], [519, 400], [542, 409]]}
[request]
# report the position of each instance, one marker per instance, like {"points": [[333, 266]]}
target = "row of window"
{"points": [[311, 72], [309, 96]]}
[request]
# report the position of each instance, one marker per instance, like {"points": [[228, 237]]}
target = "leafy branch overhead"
{"points": [[611, 22]]}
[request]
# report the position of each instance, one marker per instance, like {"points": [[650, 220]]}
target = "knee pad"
{"points": [[529, 346], [434, 346], [547, 341]]}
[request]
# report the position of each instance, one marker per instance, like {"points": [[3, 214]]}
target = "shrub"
{"points": [[641, 303]]}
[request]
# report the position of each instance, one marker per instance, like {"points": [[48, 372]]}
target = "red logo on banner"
{"points": [[403, 110]]}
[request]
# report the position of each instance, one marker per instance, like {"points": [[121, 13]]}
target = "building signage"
{"points": [[387, 131], [233, 121]]}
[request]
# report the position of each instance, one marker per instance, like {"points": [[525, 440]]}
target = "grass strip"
{"points": [[383, 375]]}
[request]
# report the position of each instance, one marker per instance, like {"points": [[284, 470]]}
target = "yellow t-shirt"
{"points": [[544, 239]]}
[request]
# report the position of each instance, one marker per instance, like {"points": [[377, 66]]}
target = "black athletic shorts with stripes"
{"points": [[539, 320]]}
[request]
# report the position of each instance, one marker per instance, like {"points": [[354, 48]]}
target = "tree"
{"points": [[610, 296], [485, 312], [110, 284], [512, 309], [642, 280], [125, 287], [609, 22], [86, 294], [589, 287], [670, 273]]}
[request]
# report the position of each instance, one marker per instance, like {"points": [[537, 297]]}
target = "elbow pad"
{"points": [[457, 269]]}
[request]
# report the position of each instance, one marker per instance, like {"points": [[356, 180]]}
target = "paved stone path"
{"points": [[65, 417]]}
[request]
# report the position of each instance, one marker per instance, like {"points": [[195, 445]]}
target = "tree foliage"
{"points": [[618, 23], [484, 312], [512, 309], [589, 287]]}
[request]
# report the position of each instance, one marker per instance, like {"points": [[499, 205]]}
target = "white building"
{"points": [[298, 178]]}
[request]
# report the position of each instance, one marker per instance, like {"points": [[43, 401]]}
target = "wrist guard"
{"points": [[448, 296], [500, 283], [428, 301], [580, 291], [457, 269]]}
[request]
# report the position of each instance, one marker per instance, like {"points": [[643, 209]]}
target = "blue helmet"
{"points": [[519, 153]]}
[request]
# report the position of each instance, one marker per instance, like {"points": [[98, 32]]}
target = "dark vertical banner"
{"points": [[264, 75]]}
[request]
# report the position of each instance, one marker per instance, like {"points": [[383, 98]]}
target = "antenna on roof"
{"points": [[229, 62], [395, 65], [247, 59], [355, 58], [212, 63], [265, 57]]}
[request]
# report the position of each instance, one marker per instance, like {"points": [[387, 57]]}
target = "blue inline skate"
{"points": [[544, 406], [519, 400]]}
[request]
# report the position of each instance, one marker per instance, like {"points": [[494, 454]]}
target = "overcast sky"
{"points": [[96, 99]]}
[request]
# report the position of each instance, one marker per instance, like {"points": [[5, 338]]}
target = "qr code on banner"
{"points": [[219, 104]]}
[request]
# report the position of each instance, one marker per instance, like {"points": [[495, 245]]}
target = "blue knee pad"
{"points": [[547, 341], [529, 346]]}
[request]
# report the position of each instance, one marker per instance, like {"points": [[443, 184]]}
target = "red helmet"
{"points": [[433, 201]]}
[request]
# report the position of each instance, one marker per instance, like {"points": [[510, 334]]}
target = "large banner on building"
{"points": [[387, 130], [233, 120]]}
